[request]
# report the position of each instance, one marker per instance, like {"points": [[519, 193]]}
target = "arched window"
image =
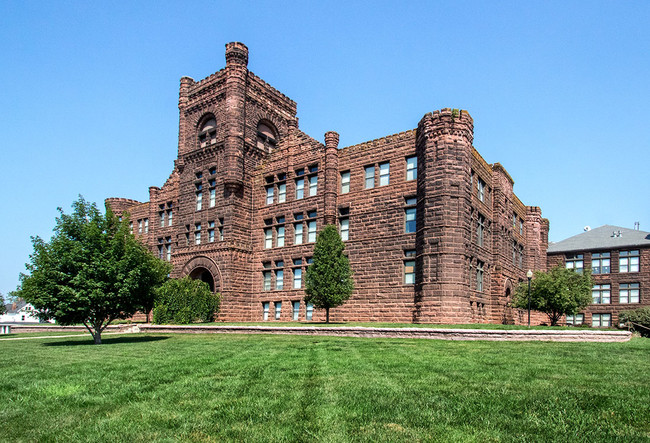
{"points": [[208, 132], [266, 136]]}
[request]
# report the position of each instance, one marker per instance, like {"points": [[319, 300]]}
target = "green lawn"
{"points": [[295, 388]]}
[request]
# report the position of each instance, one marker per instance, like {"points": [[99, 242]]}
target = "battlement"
{"points": [[120, 205], [119, 200], [236, 54], [379, 142], [453, 115]]}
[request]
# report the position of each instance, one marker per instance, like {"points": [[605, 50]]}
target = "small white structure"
{"points": [[20, 312]]}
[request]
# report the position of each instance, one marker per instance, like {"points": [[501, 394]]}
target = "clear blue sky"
{"points": [[559, 92]]}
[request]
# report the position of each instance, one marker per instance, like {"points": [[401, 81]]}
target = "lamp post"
{"points": [[529, 274]]}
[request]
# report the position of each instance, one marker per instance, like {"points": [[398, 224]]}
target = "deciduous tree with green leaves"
{"points": [[558, 292], [185, 300], [328, 282], [92, 271], [3, 308]]}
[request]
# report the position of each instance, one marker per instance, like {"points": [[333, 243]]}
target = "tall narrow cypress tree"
{"points": [[328, 282]]}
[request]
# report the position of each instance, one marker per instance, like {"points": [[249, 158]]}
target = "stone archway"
{"points": [[203, 275], [204, 269]]}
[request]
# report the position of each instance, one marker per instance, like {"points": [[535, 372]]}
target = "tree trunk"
{"points": [[327, 315], [97, 335]]}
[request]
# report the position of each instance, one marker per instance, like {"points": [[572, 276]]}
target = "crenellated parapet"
{"points": [[120, 205]]}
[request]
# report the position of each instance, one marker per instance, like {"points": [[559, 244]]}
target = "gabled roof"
{"points": [[13, 308], [604, 237]]}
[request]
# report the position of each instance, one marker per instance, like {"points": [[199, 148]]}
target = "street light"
{"points": [[529, 274]]}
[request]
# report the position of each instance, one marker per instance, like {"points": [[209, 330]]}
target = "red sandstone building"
{"points": [[434, 233]]}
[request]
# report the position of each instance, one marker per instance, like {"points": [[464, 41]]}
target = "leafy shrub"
{"points": [[639, 316], [184, 301]]}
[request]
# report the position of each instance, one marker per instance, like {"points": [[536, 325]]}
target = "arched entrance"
{"points": [[203, 275], [204, 269]]}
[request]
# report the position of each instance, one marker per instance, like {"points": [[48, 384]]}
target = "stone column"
{"points": [[331, 176]]}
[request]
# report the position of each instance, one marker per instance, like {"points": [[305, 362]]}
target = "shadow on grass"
{"points": [[108, 341]]}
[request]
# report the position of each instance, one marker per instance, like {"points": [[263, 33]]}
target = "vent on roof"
{"points": [[587, 228], [617, 233]]}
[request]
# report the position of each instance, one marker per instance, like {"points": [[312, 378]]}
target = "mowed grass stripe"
{"points": [[302, 388]]}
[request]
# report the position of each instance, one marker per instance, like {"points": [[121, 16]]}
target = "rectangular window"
{"points": [[282, 192], [297, 230], [409, 267], [601, 320], [197, 233], [345, 182], [268, 238], [266, 286], [269, 195], [309, 312], [279, 240], [479, 276], [161, 214], [600, 294], [575, 320], [265, 310], [521, 227], [345, 228], [411, 168], [514, 221], [311, 231], [130, 227], [168, 240], [146, 225], [139, 226], [297, 274], [211, 231], [480, 185], [384, 174], [161, 249], [278, 309], [628, 261], [628, 293], [213, 197], [370, 177], [279, 279], [296, 309], [199, 200], [169, 217], [480, 227], [575, 261], [300, 188], [313, 185], [600, 263], [410, 214]]}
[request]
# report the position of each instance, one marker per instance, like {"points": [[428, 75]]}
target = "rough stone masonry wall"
{"points": [[448, 208]]}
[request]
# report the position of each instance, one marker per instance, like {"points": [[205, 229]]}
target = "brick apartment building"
{"points": [[434, 233], [619, 260]]}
